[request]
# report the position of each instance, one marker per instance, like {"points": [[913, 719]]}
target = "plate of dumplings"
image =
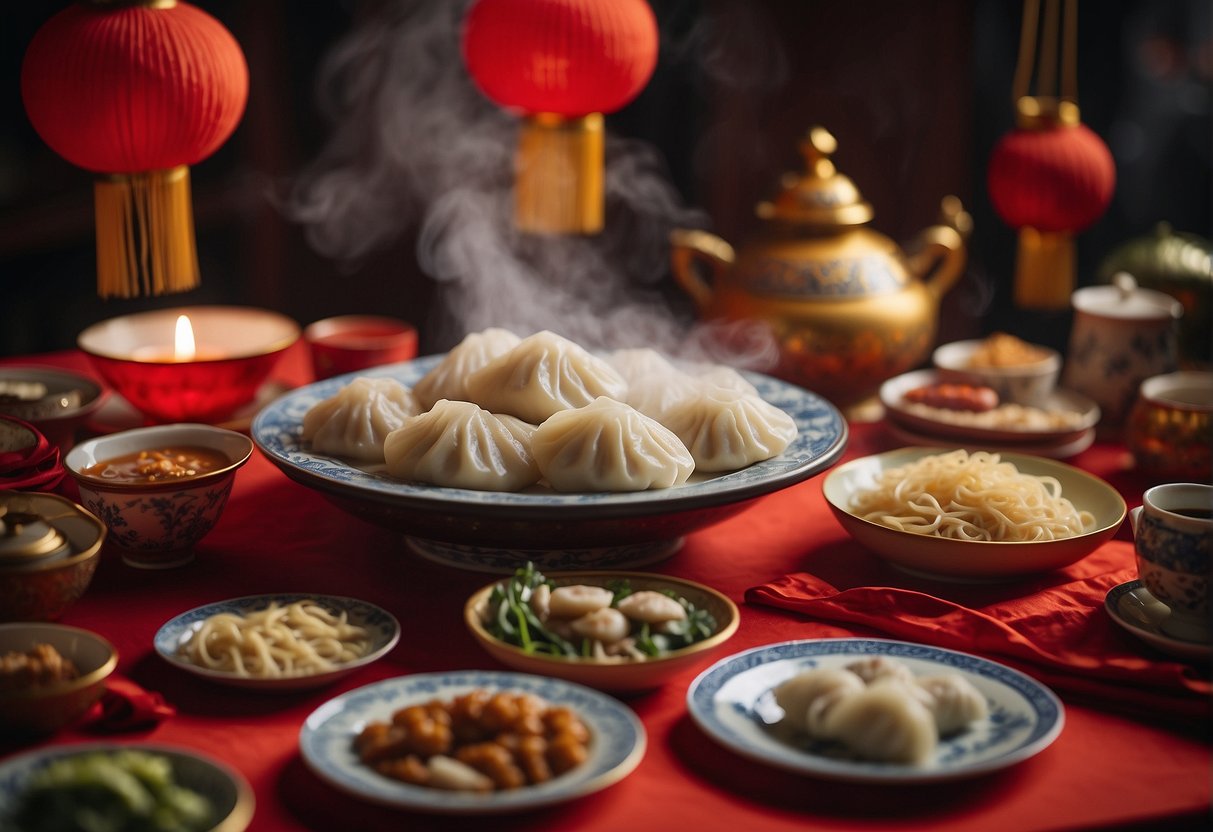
{"points": [[874, 710], [508, 449]]}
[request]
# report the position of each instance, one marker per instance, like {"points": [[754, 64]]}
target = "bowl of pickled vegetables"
{"points": [[610, 630]]}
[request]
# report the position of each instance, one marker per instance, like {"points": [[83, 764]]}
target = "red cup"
{"points": [[349, 343]]}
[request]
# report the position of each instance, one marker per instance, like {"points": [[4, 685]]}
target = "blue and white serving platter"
{"points": [[383, 628], [732, 701], [617, 741], [500, 531]]}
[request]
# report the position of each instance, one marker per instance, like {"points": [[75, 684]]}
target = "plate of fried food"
{"points": [[282, 642], [874, 710], [1007, 515], [472, 742], [940, 409]]}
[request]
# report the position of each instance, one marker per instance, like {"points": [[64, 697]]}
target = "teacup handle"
{"points": [[1134, 517]]}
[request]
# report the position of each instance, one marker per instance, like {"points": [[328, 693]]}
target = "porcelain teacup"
{"points": [[1173, 531]]}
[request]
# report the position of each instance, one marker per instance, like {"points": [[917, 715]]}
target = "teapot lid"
{"points": [[821, 196], [27, 536]]}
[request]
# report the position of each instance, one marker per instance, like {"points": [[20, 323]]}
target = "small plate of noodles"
{"points": [[289, 641], [972, 515]]}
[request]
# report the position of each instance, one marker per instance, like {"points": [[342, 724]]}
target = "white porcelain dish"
{"points": [[924, 420], [733, 703], [975, 560], [1132, 607], [499, 531], [326, 741], [383, 626], [1064, 449]]}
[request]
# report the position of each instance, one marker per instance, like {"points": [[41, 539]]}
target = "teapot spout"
{"points": [[693, 252], [939, 251]]}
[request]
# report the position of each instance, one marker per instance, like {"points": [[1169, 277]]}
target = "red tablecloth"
{"points": [[1106, 768]]}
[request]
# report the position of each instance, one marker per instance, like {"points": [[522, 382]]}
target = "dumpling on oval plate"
{"points": [[355, 422], [447, 379], [544, 374], [609, 446], [654, 383], [459, 445], [726, 430]]}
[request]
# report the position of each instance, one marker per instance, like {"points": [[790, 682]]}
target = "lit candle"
{"points": [[183, 340]]}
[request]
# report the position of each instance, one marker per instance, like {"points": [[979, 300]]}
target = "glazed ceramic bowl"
{"points": [[236, 348], [56, 402], [27, 711], [975, 560], [1027, 383], [228, 792], [612, 674], [157, 524], [28, 460], [42, 588]]}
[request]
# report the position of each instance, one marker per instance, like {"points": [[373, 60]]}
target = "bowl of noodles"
{"points": [[972, 516], [281, 642]]}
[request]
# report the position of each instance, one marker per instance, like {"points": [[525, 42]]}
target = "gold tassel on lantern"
{"points": [[1044, 269], [559, 175], [145, 234]]}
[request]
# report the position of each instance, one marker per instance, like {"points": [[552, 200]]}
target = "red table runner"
{"points": [[1106, 768]]}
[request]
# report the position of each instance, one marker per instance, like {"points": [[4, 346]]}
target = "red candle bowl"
{"points": [[235, 348], [349, 343]]}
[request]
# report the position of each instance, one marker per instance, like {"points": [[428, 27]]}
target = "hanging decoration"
{"points": [[136, 92], [1050, 177], [560, 64]]}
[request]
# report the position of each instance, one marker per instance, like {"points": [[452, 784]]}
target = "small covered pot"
{"points": [[848, 307], [49, 550]]}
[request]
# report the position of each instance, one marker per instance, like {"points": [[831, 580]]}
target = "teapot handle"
{"points": [[691, 248]]}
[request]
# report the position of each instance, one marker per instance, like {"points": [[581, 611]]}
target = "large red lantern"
{"points": [[137, 92], [1051, 176], [561, 64]]}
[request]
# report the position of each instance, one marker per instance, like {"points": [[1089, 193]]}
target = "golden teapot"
{"points": [[847, 307]]}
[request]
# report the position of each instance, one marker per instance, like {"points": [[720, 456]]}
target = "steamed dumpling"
{"points": [[953, 701], [654, 384], [459, 445], [885, 721], [726, 430], [354, 422], [609, 446], [448, 377], [544, 374], [809, 696]]}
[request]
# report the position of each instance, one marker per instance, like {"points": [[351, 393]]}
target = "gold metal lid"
{"points": [[821, 196], [26, 537]]}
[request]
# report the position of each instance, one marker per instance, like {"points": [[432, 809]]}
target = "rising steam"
{"points": [[415, 145]]}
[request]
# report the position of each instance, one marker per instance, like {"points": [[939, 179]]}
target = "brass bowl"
{"points": [[605, 674], [45, 709]]}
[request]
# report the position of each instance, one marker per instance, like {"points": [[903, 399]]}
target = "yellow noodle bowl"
{"points": [[970, 496], [298, 639]]}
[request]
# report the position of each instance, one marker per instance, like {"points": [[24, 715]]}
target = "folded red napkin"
{"points": [[1052, 627], [125, 706]]}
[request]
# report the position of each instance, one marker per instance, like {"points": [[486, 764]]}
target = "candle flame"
{"points": [[183, 342]]}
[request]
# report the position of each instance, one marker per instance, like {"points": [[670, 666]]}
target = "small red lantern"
{"points": [[136, 92], [562, 64], [1052, 176]]}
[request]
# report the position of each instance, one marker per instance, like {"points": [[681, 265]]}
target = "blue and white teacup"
{"points": [[1173, 532]]}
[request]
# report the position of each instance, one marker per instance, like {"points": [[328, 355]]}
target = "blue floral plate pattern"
{"points": [[383, 627], [617, 741], [540, 519], [732, 702]]}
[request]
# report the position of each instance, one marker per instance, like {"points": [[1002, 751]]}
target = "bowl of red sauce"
{"points": [[159, 490]]}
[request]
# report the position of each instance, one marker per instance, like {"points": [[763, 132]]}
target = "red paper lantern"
{"points": [[137, 92], [562, 64], [1056, 179]]}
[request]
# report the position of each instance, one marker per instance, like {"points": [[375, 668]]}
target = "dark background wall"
{"points": [[916, 92]]}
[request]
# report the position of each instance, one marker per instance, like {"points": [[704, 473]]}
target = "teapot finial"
{"points": [[818, 146]]}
